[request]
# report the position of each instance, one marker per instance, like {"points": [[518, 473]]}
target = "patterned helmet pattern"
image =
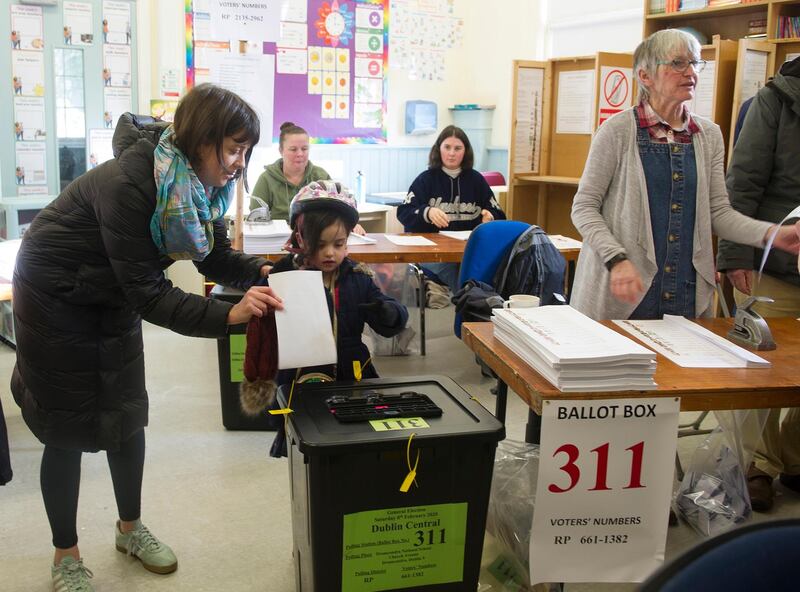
{"points": [[319, 195]]}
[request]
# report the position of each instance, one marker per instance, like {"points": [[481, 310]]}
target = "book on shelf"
{"points": [[657, 7], [788, 27], [757, 27], [716, 3], [692, 4]]}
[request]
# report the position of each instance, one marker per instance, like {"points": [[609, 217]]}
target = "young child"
{"points": [[322, 215]]}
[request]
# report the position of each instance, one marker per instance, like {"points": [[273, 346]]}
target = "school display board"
{"points": [[320, 64]]}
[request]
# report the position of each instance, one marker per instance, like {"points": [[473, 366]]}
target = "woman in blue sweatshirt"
{"points": [[449, 195]]}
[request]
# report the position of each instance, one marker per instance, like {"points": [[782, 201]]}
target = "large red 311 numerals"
{"points": [[600, 482]]}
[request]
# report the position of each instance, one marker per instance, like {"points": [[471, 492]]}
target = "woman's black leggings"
{"points": [[60, 478]]}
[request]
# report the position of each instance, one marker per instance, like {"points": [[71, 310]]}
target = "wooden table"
{"points": [[700, 389], [446, 250]]}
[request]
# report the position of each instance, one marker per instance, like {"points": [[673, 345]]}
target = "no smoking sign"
{"points": [[615, 92]]}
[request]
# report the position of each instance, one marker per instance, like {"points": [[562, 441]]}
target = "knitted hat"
{"points": [[257, 389], [319, 195]]}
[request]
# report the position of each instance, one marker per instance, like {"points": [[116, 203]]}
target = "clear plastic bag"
{"points": [[712, 497], [398, 281], [505, 566]]}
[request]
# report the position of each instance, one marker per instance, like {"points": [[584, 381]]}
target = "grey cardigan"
{"points": [[612, 213]]}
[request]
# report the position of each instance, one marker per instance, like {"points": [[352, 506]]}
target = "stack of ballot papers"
{"points": [[573, 352], [265, 237]]}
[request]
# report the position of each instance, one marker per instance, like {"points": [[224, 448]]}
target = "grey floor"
{"points": [[214, 495]]}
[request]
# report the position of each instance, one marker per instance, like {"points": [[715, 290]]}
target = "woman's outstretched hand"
{"points": [[255, 301], [787, 239]]}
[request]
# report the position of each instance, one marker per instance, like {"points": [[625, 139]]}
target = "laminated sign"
{"points": [[403, 547], [603, 489]]}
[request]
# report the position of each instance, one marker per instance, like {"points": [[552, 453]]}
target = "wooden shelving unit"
{"points": [[543, 195]]}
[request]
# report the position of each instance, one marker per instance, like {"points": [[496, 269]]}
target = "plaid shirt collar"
{"points": [[660, 131]]}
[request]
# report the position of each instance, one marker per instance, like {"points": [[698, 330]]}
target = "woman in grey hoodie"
{"points": [[281, 180]]}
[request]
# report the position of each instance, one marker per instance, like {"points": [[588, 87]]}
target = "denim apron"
{"points": [[671, 175]]}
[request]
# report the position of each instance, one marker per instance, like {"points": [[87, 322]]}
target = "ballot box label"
{"points": [[403, 547]]}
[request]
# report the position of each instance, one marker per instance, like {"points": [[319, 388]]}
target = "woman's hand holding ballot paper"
{"points": [[786, 238]]}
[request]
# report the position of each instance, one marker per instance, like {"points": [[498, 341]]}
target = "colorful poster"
{"points": [[163, 109], [100, 147], [116, 22], [27, 27], [117, 65], [314, 53], [31, 168], [117, 101], [27, 73], [78, 29], [29, 120]]}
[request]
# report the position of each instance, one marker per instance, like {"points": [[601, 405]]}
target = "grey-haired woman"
{"points": [[652, 194]]}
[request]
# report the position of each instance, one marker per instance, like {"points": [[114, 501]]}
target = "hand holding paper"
{"points": [[255, 301]]}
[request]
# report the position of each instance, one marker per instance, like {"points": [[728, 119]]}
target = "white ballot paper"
{"points": [[305, 336], [691, 346], [795, 213], [354, 240], [405, 240], [456, 234]]}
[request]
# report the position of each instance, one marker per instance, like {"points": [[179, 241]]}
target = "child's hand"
{"points": [[486, 216], [384, 312]]}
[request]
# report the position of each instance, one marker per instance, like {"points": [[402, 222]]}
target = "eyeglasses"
{"points": [[679, 65]]}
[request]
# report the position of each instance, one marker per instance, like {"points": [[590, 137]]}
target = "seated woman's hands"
{"points": [[486, 216], [438, 218], [626, 283], [256, 301]]}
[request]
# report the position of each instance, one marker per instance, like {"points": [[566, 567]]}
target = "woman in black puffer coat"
{"points": [[91, 267]]}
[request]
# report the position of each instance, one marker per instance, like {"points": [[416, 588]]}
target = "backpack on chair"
{"points": [[533, 266]]}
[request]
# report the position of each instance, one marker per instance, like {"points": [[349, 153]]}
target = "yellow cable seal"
{"points": [[412, 472], [288, 409], [358, 369]]}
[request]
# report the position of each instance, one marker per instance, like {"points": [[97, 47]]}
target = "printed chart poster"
{"points": [[31, 167], [117, 22], [616, 91], [163, 109], [234, 20], [603, 489], [100, 147], [78, 23], [528, 133], [27, 69], [117, 101], [27, 28], [117, 65], [29, 122], [403, 547]]}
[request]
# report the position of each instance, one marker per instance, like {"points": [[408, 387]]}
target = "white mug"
{"points": [[521, 301]]}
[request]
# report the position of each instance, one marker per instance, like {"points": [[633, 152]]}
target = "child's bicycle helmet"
{"points": [[320, 195]]}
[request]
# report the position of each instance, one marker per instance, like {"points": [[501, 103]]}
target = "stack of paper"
{"points": [[573, 352], [265, 237], [689, 345]]}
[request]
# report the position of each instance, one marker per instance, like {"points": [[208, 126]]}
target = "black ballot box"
{"points": [[353, 528], [230, 353]]}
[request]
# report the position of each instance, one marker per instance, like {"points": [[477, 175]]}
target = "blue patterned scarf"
{"points": [[181, 225]]}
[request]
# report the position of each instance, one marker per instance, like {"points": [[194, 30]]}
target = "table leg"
{"points": [[500, 403], [533, 429], [417, 271]]}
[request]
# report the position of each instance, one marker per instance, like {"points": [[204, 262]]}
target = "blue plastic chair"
{"points": [[488, 246], [759, 556]]}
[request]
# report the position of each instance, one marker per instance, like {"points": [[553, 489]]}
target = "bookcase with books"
{"points": [[557, 106]]}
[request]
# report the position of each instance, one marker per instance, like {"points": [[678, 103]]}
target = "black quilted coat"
{"points": [[88, 272]]}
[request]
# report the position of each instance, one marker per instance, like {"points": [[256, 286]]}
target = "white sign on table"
{"points": [[603, 490]]}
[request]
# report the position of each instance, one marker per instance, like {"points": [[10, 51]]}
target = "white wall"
{"points": [[584, 27], [478, 72]]}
